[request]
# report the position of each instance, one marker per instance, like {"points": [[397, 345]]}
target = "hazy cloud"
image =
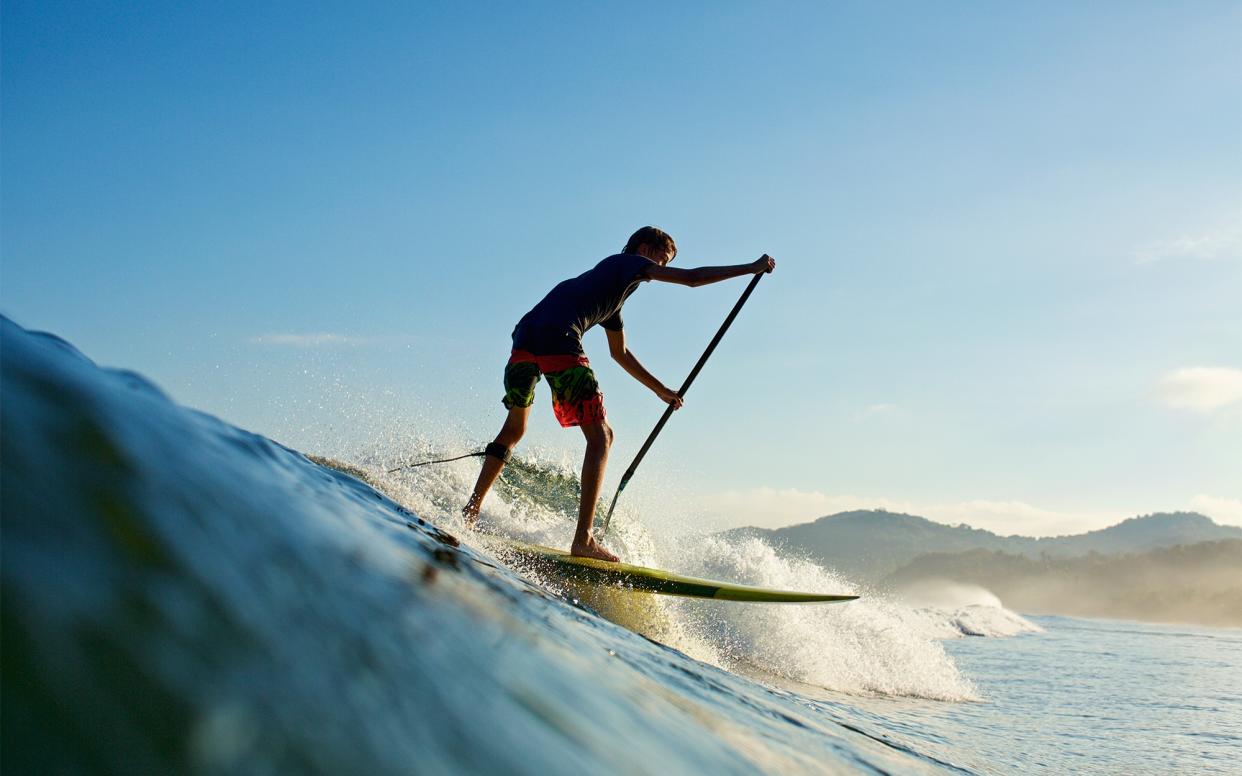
{"points": [[1017, 517], [874, 410], [1202, 389], [1222, 510], [1221, 242], [306, 340], [773, 508]]}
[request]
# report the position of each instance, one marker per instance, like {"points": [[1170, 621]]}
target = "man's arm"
{"points": [[622, 355], [702, 276]]}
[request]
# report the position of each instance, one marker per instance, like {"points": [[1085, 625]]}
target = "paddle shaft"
{"points": [[625, 479]]}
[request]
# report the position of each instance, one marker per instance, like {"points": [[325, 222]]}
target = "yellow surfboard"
{"points": [[648, 580]]}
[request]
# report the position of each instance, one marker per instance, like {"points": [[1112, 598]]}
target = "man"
{"points": [[548, 341]]}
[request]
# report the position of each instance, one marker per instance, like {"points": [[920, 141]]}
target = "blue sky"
{"points": [[1009, 237]]}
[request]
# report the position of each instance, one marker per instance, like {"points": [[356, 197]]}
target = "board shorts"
{"points": [[576, 398]]}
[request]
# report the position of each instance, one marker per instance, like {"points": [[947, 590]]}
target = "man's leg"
{"points": [[510, 434], [598, 440]]}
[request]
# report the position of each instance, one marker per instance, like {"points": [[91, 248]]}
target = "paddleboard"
{"points": [[641, 578]]}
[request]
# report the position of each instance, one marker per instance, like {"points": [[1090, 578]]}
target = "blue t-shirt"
{"points": [[555, 326]]}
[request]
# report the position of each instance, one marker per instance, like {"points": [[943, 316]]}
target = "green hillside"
{"points": [[1199, 583]]}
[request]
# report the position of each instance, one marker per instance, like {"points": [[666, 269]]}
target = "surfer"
{"points": [[547, 341]]}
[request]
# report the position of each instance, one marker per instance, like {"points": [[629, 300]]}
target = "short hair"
{"points": [[650, 235]]}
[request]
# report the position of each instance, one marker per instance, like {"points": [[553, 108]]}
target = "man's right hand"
{"points": [[764, 263]]}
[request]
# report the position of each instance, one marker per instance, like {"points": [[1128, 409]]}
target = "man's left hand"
{"points": [[670, 396]]}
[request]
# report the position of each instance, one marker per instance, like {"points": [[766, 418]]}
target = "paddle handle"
{"points": [[625, 479]]}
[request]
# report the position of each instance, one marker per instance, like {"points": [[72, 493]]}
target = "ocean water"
{"points": [[181, 596]]}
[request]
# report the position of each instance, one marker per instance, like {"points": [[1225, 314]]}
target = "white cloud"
{"points": [[1221, 242], [1222, 510], [1202, 389], [306, 340], [1017, 517], [875, 410], [773, 508]]}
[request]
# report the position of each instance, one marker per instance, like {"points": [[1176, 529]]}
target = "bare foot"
{"points": [[470, 513], [592, 549]]}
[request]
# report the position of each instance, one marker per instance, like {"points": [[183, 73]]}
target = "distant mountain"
{"points": [[1198, 583], [871, 544], [1164, 529]]}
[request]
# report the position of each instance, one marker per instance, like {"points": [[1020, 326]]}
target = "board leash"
{"points": [[441, 460]]}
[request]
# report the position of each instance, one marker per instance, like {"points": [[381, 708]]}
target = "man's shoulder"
{"points": [[625, 262]]}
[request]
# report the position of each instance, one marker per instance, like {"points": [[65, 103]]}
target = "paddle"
{"points": [[682, 393]]}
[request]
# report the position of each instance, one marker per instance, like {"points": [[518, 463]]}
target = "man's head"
{"points": [[653, 243]]}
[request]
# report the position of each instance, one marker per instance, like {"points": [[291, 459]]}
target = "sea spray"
{"points": [[872, 646], [863, 647], [536, 500]]}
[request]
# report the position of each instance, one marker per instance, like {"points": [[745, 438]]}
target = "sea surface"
{"points": [[182, 596]]}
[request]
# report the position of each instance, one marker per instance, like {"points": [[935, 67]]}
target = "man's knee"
{"points": [[514, 428], [599, 434]]}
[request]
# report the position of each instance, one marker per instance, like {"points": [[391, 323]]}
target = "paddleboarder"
{"points": [[547, 342]]}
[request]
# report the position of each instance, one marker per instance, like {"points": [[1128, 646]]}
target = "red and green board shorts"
{"points": [[576, 398]]}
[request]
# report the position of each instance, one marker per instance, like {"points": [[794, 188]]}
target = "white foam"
{"points": [[973, 620], [864, 646]]}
